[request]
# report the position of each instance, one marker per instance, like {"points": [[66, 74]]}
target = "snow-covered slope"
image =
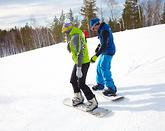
{"points": [[33, 85]]}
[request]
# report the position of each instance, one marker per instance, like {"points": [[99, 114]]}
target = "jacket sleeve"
{"points": [[78, 48], [104, 40]]}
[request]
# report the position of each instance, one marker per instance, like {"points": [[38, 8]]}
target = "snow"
{"points": [[33, 85]]}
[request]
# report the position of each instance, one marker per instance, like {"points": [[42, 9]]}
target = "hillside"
{"points": [[33, 85]]}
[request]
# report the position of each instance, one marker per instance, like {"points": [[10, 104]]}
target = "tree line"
{"points": [[135, 14]]}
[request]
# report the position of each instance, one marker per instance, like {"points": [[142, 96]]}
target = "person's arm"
{"points": [[78, 48], [104, 37]]}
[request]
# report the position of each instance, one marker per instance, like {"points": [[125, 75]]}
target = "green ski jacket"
{"points": [[78, 47]]}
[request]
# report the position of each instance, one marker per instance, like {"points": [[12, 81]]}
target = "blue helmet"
{"points": [[94, 22]]}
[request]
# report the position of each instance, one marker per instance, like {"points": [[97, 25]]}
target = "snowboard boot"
{"points": [[110, 92], [91, 104], [98, 87], [77, 99]]}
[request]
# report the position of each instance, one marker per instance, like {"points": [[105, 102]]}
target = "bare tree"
{"points": [[139, 10], [36, 32], [157, 12], [102, 15], [151, 12], [113, 6], [1, 50]]}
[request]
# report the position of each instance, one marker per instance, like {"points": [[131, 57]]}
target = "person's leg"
{"points": [[105, 65], [73, 80], [82, 82], [91, 99], [78, 98], [99, 77]]}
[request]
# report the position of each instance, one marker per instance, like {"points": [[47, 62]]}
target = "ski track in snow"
{"points": [[33, 85]]}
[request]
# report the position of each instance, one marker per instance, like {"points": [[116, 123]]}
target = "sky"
{"points": [[18, 12]]}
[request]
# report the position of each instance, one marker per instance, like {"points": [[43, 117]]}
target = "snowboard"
{"points": [[110, 98], [98, 112]]}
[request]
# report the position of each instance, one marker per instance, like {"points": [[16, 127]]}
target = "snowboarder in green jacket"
{"points": [[78, 47]]}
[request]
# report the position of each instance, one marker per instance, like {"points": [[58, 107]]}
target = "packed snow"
{"points": [[33, 85]]}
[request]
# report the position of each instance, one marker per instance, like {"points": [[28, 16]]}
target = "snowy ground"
{"points": [[33, 85]]}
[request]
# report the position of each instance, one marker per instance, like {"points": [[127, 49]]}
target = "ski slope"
{"points": [[33, 85]]}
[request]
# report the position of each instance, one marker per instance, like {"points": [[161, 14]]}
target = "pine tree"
{"points": [[131, 14], [27, 35], [114, 25], [127, 12], [61, 36], [56, 29], [84, 25], [70, 16], [2, 34], [18, 40], [136, 14], [74, 21], [88, 11]]}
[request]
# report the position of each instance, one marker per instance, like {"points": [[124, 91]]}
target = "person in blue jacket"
{"points": [[106, 49]]}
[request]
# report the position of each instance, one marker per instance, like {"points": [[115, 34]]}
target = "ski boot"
{"points": [[98, 87], [110, 92], [77, 99], [91, 104]]}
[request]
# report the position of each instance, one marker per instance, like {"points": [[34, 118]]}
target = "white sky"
{"points": [[18, 12]]}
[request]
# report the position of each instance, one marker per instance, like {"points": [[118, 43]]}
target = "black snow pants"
{"points": [[79, 83]]}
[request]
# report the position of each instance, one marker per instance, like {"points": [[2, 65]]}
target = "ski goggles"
{"points": [[96, 23], [67, 28]]}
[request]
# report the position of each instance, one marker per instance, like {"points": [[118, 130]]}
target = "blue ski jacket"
{"points": [[106, 40]]}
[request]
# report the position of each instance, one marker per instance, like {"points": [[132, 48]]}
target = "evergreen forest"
{"points": [[134, 15]]}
